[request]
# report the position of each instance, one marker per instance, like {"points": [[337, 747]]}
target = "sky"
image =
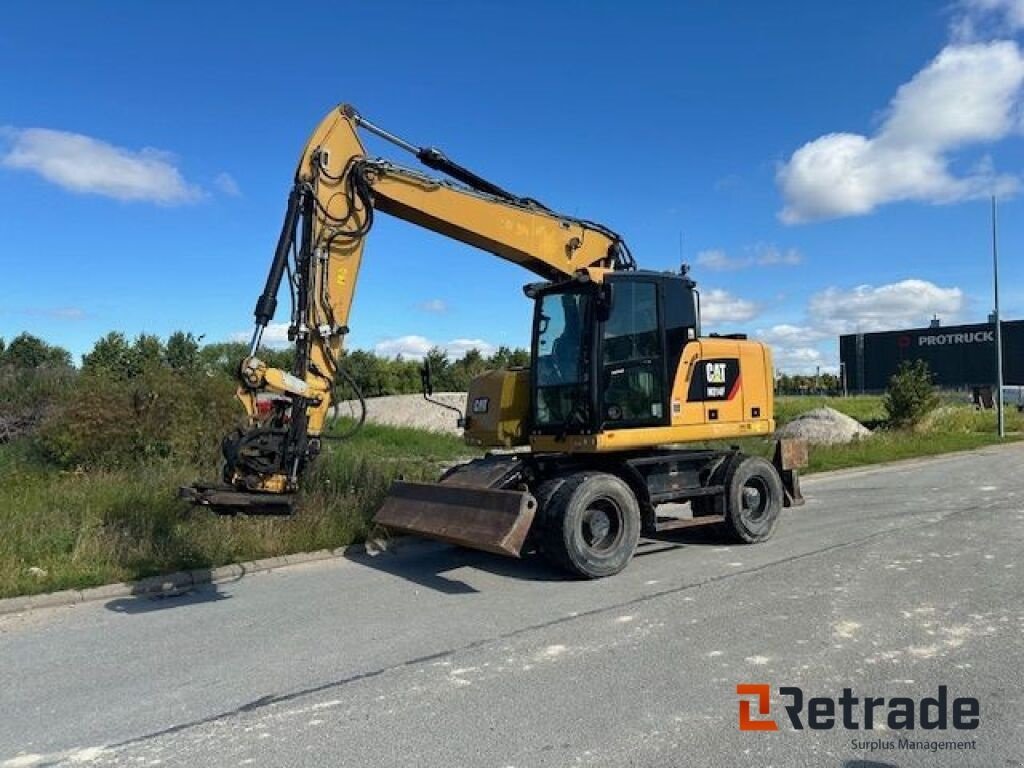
{"points": [[825, 168]]}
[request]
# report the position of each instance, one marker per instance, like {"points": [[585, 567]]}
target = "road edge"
{"points": [[182, 581]]}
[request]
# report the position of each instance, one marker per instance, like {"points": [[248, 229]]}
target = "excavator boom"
{"points": [[338, 189]]}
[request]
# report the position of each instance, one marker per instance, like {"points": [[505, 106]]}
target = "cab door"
{"points": [[632, 357]]}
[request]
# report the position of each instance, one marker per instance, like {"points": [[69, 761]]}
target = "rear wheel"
{"points": [[753, 499], [591, 525]]}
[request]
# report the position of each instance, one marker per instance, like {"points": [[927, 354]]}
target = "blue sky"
{"points": [[825, 165]]}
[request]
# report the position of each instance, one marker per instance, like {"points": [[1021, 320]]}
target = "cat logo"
{"points": [[714, 373]]}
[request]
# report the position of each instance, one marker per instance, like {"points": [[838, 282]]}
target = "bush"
{"points": [[160, 414], [27, 395], [910, 394]]}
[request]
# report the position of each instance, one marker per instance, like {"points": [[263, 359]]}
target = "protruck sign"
{"points": [[958, 356], [973, 337]]}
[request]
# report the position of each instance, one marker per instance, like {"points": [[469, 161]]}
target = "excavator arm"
{"points": [[337, 191]]}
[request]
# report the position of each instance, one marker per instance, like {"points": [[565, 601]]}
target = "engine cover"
{"points": [[498, 409]]}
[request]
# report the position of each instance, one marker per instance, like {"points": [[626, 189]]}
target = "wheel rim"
{"points": [[755, 498], [601, 526]]}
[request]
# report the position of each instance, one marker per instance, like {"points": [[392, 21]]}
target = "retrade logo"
{"points": [[763, 693], [856, 713]]}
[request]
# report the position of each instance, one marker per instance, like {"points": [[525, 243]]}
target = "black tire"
{"points": [[753, 499], [591, 525]]}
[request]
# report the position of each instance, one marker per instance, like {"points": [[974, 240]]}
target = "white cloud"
{"points": [[718, 307], [728, 183], [56, 313], [226, 183], [785, 334], [969, 94], [274, 335], [760, 255], [410, 347], [459, 347], [718, 260], [800, 360], [980, 18], [769, 255], [794, 347], [868, 308], [416, 347], [86, 165], [803, 347], [434, 306]]}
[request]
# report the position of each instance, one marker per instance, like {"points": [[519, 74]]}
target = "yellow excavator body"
{"points": [[620, 373]]}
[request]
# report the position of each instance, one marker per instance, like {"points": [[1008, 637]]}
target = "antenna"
{"points": [[1000, 418]]}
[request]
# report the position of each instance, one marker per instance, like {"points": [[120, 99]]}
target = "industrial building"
{"points": [[959, 356]]}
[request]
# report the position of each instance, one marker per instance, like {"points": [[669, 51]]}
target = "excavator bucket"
{"points": [[465, 508]]}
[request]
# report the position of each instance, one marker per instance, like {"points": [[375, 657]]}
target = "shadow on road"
{"points": [[146, 603], [702, 536], [431, 568]]}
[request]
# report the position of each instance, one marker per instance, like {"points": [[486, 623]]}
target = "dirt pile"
{"points": [[824, 426], [410, 411]]}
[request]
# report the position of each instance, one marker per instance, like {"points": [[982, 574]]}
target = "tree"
{"points": [[110, 356], [28, 352], [223, 357], [506, 357], [182, 351], [520, 358], [910, 394], [148, 352], [441, 378]]}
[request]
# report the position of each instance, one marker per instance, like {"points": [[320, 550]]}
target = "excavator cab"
{"points": [[605, 357], [606, 353]]}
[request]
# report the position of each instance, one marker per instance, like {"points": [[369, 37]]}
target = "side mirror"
{"points": [[425, 380], [428, 390]]}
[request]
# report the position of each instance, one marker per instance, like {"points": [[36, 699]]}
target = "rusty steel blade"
{"points": [[479, 518]]}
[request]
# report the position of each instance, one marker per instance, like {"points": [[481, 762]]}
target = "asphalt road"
{"points": [[890, 581]]}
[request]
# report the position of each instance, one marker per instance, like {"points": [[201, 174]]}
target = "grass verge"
{"points": [[867, 409], [61, 529]]}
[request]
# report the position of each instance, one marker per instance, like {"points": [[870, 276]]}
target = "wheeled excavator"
{"points": [[585, 447]]}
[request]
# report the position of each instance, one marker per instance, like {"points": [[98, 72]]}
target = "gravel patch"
{"points": [[824, 426], [411, 411]]}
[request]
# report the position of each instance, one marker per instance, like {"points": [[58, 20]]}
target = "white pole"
{"points": [[1000, 419]]}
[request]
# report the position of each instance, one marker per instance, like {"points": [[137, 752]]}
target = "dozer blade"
{"points": [[227, 500], [479, 518]]}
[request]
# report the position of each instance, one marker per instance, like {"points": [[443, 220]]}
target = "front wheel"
{"points": [[591, 525], [753, 499]]}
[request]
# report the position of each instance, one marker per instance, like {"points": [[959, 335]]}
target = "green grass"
{"points": [[86, 529], [894, 446], [951, 427], [866, 409]]}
